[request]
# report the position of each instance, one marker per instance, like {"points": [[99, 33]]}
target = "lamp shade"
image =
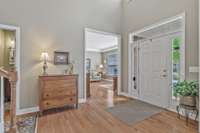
{"points": [[101, 66], [44, 56]]}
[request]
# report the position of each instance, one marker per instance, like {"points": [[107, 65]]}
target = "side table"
{"points": [[187, 110]]}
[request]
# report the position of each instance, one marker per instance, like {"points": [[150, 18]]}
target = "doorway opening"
{"points": [[102, 57], [9, 60], [157, 61]]}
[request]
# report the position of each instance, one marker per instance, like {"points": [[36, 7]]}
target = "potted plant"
{"points": [[188, 92]]}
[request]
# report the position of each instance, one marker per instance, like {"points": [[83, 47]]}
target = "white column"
{"points": [[1, 106]]}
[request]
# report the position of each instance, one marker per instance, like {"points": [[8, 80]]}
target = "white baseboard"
{"points": [[28, 110], [82, 100], [1, 127], [124, 94], [36, 109]]}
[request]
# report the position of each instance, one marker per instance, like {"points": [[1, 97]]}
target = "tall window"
{"points": [[112, 64], [176, 64]]}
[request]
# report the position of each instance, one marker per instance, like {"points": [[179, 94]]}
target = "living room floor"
{"points": [[92, 117]]}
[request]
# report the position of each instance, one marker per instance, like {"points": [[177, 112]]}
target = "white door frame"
{"points": [[2, 106], [84, 58], [131, 42], [17, 35], [199, 61]]}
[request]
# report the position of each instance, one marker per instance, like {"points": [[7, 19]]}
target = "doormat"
{"points": [[134, 111]]}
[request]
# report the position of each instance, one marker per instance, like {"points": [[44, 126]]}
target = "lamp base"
{"points": [[45, 69]]}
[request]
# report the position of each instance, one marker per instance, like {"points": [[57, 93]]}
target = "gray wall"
{"points": [[140, 13], [48, 25]]}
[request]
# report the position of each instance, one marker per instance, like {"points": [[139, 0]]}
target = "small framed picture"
{"points": [[61, 58]]}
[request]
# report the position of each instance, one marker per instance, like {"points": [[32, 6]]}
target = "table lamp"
{"points": [[44, 58]]}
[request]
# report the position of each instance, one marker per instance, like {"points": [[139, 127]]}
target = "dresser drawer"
{"points": [[48, 84], [59, 93], [59, 83], [58, 102]]}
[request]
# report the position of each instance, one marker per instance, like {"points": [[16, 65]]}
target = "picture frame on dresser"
{"points": [[61, 58]]}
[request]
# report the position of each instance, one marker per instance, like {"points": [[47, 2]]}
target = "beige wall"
{"points": [[5, 40], [141, 13], [2, 43], [48, 25]]}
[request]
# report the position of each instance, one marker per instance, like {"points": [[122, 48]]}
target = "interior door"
{"points": [[154, 71]]}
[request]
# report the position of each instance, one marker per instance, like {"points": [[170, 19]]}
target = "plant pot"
{"points": [[197, 102], [188, 100]]}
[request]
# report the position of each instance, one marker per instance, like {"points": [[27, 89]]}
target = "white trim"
{"points": [[124, 94], [119, 51], [102, 32], [183, 55], [199, 57], [17, 30], [2, 105], [36, 109], [28, 110], [162, 22], [36, 124], [93, 50], [165, 21], [82, 100], [109, 49], [102, 50]]}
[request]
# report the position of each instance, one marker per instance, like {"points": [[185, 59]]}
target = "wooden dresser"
{"points": [[57, 91]]}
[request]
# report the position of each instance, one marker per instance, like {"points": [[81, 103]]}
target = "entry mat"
{"points": [[24, 124], [134, 111]]}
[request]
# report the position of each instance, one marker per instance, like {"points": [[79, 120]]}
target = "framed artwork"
{"points": [[61, 58]]}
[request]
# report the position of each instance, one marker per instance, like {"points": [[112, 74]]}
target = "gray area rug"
{"points": [[134, 111], [24, 124]]}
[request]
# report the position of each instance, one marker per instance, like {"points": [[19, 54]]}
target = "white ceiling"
{"points": [[98, 41]]}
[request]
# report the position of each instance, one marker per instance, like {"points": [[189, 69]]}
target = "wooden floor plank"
{"points": [[92, 117]]}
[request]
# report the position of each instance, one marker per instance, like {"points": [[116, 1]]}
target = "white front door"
{"points": [[154, 71]]}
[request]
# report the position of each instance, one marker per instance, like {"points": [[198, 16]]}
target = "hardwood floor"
{"points": [[91, 117]]}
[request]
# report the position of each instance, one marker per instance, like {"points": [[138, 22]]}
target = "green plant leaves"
{"points": [[186, 88]]}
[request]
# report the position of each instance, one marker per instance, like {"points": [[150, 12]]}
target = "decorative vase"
{"points": [[188, 100]]}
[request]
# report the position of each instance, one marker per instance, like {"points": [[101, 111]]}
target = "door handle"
{"points": [[134, 80], [164, 75]]}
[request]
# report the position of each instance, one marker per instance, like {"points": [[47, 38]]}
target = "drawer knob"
{"points": [[71, 99], [47, 95], [47, 103]]}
